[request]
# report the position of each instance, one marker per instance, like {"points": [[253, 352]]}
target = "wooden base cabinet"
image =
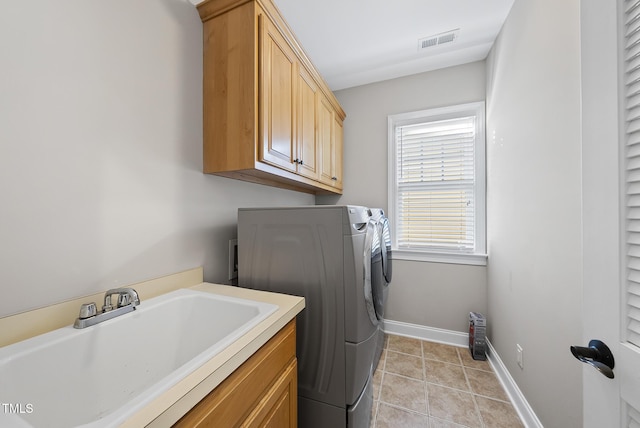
{"points": [[262, 392], [263, 101]]}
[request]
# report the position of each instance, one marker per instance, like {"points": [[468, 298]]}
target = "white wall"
{"points": [[101, 151], [429, 294], [534, 204]]}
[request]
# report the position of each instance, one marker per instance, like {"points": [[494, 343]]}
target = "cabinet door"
{"points": [[278, 98], [325, 140], [330, 139], [336, 171], [279, 407], [306, 147]]}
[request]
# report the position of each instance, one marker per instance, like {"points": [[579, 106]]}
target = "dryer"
{"points": [[326, 254]]}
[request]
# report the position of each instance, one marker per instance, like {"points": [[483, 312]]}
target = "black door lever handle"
{"points": [[597, 355]]}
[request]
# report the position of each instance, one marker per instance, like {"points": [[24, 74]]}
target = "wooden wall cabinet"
{"points": [[262, 392], [330, 133], [263, 102]]}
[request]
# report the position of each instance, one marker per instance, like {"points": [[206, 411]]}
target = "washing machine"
{"points": [[330, 255], [382, 276]]}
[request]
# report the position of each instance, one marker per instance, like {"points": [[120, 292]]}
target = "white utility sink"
{"points": [[101, 375]]}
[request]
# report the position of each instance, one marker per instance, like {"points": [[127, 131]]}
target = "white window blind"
{"points": [[632, 128], [437, 177], [435, 170]]}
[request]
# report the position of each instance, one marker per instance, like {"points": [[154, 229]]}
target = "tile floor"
{"points": [[430, 385]]}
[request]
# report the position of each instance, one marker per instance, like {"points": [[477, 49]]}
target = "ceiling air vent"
{"points": [[438, 39]]}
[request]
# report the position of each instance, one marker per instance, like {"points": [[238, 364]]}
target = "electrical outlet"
{"points": [[519, 356], [233, 259]]}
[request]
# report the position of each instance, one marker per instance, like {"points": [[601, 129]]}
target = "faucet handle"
{"points": [[88, 310], [128, 296], [123, 300]]}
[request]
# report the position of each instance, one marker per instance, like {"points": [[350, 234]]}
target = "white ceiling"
{"points": [[355, 42]]}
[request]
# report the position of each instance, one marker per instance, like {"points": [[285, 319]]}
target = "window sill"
{"points": [[459, 259]]}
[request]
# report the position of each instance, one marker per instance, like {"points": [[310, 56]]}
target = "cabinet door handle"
{"points": [[300, 162], [334, 178]]}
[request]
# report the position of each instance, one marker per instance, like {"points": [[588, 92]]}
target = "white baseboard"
{"points": [[431, 334], [461, 339], [518, 399]]}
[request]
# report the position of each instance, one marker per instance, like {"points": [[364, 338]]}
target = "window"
{"points": [[437, 184]]}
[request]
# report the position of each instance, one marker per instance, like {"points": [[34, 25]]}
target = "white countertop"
{"points": [[179, 399]]}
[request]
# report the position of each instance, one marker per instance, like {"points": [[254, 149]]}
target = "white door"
{"points": [[611, 289]]}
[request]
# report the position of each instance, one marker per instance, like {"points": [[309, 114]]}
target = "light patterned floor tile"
{"points": [[405, 345], [439, 423], [445, 374], [498, 414], [404, 364], [455, 392], [403, 392], [485, 383], [440, 352], [393, 417], [453, 405]]}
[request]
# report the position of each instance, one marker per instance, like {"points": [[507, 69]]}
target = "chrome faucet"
{"points": [[126, 296], [127, 301]]}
